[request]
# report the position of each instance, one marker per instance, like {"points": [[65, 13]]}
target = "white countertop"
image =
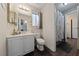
{"points": [[22, 34]]}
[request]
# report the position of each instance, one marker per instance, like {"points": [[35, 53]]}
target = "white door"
{"points": [[28, 43], [78, 27], [15, 46]]}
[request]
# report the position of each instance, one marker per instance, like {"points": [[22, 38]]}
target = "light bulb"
{"points": [[25, 21]]}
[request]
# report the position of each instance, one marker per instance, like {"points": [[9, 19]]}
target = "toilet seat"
{"points": [[40, 41]]}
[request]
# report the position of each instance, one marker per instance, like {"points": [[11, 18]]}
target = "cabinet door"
{"points": [[15, 46], [28, 42]]}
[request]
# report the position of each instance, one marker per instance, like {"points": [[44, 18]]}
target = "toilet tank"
{"points": [[37, 35]]}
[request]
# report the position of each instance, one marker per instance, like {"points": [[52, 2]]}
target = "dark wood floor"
{"points": [[59, 52]]}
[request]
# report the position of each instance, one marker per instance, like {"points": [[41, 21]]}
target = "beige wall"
{"points": [[49, 33], [3, 29]]}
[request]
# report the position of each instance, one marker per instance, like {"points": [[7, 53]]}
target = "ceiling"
{"points": [[64, 8], [37, 5], [60, 6]]}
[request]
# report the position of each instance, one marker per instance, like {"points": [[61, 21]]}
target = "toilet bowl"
{"points": [[40, 42]]}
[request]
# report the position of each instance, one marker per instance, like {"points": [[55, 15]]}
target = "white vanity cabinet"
{"points": [[28, 43], [20, 45]]}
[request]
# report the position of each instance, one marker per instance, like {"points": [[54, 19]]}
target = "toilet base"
{"points": [[40, 47]]}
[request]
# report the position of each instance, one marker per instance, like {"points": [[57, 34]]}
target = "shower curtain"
{"points": [[59, 26]]}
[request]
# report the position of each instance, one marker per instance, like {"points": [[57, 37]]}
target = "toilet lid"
{"points": [[40, 40]]}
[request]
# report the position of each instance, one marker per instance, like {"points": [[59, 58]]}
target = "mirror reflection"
{"points": [[22, 25]]}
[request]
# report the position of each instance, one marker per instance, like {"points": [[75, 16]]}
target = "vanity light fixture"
{"points": [[23, 8], [25, 21]]}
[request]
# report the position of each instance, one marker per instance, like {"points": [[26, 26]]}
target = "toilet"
{"points": [[40, 42]]}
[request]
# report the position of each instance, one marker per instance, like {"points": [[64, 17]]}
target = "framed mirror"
{"points": [[11, 15], [24, 22]]}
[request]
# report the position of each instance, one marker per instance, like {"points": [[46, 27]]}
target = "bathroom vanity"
{"points": [[21, 44]]}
